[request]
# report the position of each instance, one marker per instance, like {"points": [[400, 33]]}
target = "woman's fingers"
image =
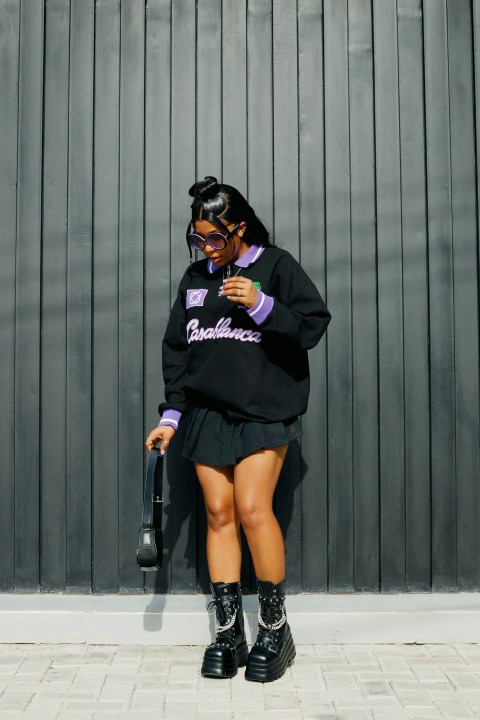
{"points": [[240, 290], [164, 447], [151, 441], [162, 434]]}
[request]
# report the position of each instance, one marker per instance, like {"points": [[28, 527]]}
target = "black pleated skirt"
{"points": [[215, 439]]}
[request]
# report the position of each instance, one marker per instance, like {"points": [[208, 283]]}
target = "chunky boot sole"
{"points": [[218, 667], [259, 671]]}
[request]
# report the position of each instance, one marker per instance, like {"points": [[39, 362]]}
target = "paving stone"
{"points": [[389, 714], [185, 711], [356, 714], [15, 700], [335, 681], [146, 700], [366, 702], [270, 715], [375, 687], [59, 695], [130, 715], [245, 689], [415, 698], [389, 663], [158, 667], [281, 701], [361, 657], [92, 706], [116, 691], [452, 708], [41, 707], [466, 680]]}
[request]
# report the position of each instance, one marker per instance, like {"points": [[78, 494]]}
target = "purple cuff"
{"points": [[262, 308], [171, 417]]}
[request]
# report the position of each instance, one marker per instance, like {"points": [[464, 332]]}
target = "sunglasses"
{"points": [[215, 240]]}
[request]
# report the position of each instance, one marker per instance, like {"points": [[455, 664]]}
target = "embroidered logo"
{"points": [[223, 329], [195, 298]]}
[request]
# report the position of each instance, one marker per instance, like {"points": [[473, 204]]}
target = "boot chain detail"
{"points": [[274, 649], [229, 650]]}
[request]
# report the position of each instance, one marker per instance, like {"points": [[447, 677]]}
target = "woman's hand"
{"points": [[162, 432], [240, 290]]}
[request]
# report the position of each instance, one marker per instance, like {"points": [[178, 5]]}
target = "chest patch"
{"points": [[196, 298]]}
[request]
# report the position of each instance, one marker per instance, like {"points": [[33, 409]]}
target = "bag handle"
{"points": [[150, 539], [153, 490]]}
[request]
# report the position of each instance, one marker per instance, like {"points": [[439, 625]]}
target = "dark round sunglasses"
{"points": [[215, 240]]}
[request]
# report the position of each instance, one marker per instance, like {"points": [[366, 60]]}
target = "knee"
{"points": [[252, 516], [219, 517]]}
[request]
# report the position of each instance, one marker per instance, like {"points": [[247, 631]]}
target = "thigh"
{"points": [[256, 477], [217, 487]]}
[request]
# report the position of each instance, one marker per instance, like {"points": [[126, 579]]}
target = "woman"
{"points": [[235, 360]]}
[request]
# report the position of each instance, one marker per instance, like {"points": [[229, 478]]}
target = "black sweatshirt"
{"points": [[250, 363]]}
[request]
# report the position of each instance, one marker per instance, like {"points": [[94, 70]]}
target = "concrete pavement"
{"points": [[341, 682]]}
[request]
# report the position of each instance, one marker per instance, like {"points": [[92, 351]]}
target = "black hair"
{"points": [[213, 200]]}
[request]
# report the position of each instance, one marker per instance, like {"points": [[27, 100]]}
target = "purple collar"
{"points": [[248, 258]]}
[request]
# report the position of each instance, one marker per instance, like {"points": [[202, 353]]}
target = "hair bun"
{"points": [[205, 189]]}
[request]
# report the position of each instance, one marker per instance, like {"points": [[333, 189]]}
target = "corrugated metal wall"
{"points": [[352, 127]]}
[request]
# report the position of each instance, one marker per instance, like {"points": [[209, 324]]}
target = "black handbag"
{"points": [[150, 539]]}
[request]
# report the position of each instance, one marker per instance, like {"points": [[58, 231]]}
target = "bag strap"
{"points": [[153, 497]]}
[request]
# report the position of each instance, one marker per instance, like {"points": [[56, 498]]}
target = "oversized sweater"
{"points": [[251, 363]]}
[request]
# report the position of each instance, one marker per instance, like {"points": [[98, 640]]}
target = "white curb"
{"points": [[183, 619]]}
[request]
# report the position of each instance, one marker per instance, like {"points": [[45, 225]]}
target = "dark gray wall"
{"points": [[352, 127]]}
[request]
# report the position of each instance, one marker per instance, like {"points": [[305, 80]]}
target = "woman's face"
{"points": [[235, 244]]}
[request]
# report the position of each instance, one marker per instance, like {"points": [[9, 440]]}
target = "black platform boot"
{"points": [[273, 650], [229, 651]]}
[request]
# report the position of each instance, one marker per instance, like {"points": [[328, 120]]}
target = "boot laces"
{"points": [[223, 620], [271, 623], [268, 612]]}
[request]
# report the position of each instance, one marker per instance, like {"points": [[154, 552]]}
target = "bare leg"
{"points": [[224, 550], [256, 477]]}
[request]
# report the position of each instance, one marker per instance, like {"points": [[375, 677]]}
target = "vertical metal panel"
{"points": [[352, 128], [79, 299], [209, 89], [442, 366], [285, 125], [390, 311], [464, 246], [157, 229], [234, 93], [9, 47], [286, 225], [54, 299], [415, 295], [338, 272], [28, 293], [312, 231], [105, 372], [183, 174], [364, 301], [259, 103], [476, 154], [130, 283]]}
